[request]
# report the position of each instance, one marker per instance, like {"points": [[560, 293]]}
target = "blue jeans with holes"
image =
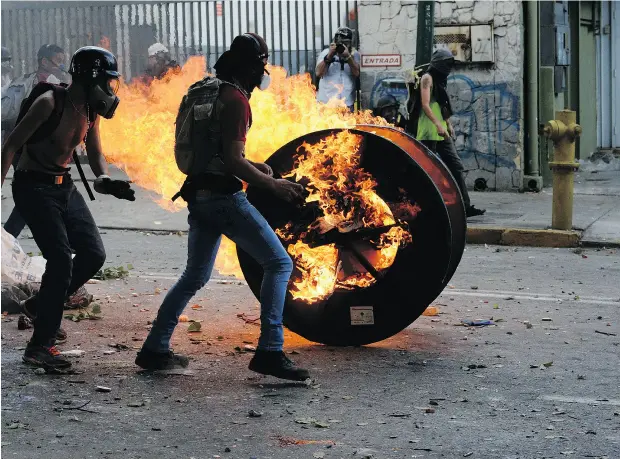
{"points": [[233, 216]]}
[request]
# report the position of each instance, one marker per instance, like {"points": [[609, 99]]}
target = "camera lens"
{"points": [[340, 48]]}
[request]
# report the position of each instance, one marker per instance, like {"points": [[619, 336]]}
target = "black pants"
{"points": [[15, 223], [60, 221], [447, 152]]}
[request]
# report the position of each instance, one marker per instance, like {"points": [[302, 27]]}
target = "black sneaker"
{"points": [[29, 308], [150, 360], [275, 363], [473, 212], [45, 357]]}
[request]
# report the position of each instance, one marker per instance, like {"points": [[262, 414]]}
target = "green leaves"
{"points": [[82, 314], [118, 272]]}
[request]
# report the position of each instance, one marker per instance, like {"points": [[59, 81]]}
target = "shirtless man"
{"points": [[56, 123]]}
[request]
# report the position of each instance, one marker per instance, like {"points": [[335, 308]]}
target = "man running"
{"points": [[219, 119], [52, 123]]}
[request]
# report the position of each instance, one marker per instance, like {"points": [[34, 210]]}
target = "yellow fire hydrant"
{"points": [[563, 131]]}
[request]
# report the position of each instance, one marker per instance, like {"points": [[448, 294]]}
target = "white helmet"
{"points": [[157, 48]]}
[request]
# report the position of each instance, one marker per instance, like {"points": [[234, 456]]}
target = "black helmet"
{"points": [[250, 46], [343, 33], [92, 62]]}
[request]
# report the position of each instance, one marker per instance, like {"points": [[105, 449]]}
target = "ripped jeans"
{"points": [[233, 216]]}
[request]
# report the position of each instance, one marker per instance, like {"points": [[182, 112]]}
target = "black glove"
{"points": [[118, 188]]}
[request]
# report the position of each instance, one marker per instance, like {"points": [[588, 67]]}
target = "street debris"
{"points": [[290, 441], [183, 318], [136, 404], [24, 323], [194, 327], [476, 322], [604, 333], [103, 389], [16, 424], [83, 314], [546, 319], [73, 353], [255, 414], [249, 320], [431, 311], [365, 453], [527, 324], [118, 272], [312, 421], [173, 372], [543, 366]]}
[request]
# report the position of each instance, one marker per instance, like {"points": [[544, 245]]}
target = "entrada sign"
{"points": [[381, 60]]}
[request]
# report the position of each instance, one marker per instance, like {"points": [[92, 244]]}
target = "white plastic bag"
{"points": [[17, 266]]}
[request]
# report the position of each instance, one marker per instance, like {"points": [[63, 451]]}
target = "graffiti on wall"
{"points": [[486, 119], [486, 123]]}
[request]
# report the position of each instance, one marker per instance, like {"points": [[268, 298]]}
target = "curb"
{"points": [[523, 237]]}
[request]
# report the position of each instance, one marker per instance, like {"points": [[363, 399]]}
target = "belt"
{"points": [[42, 177]]}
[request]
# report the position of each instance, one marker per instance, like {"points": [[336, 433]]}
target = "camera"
{"points": [[339, 48]]}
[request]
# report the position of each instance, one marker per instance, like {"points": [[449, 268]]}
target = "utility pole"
{"points": [[424, 43]]}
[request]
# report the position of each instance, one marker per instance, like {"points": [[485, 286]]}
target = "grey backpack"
{"points": [[197, 132]]}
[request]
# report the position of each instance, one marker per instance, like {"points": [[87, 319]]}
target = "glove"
{"points": [[118, 188]]}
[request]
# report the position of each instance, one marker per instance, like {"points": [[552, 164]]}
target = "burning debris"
{"points": [[347, 234]]}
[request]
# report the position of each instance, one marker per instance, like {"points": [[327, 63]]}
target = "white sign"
{"points": [[362, 315], [381, 60]]}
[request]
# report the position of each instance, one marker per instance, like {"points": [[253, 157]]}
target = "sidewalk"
{"points": [[596, 212], [511, 218]]}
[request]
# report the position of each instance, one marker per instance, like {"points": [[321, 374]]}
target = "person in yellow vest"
{"points": [[431, 120]]}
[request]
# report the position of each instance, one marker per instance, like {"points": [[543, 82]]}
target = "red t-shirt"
{"points": [[236, 115]]}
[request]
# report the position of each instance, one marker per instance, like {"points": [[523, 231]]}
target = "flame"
{"points": [[140, 137], [345, 194], [318, 268]]}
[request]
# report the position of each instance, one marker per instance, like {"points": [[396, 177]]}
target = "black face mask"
{"points": [[102, 97]]}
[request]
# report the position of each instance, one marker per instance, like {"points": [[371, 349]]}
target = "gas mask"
{"points": [[102, 97], [261, 78], [265, 81]]}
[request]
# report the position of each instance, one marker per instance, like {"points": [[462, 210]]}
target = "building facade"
{"points": [[519, 62]]}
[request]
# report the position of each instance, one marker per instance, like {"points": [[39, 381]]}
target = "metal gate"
{"points": [[608, 76], [295, 31]]}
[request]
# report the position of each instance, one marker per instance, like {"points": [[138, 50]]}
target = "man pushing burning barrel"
{"points": [[211, 127]]}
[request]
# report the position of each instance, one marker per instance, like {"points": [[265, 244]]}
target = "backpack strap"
{"points": [[50, 125]]}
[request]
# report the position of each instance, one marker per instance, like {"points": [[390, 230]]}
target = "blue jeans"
{"points": [[234, 217]]}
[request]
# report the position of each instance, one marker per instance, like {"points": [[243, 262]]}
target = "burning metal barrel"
{"points": [[379, 236]]}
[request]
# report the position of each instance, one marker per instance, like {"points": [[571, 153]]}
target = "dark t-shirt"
{"points": [[235, 121], [236, 115]]}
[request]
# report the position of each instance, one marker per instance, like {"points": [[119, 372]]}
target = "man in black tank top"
{"points": [[53, 121]]}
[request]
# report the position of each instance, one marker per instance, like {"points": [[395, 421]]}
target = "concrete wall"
{"points": [[487, 98]]}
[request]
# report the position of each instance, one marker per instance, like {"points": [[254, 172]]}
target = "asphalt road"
{"points": [[436, 390]]}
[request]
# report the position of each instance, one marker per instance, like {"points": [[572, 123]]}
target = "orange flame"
{"points": [[140, 137], [345, 194]]}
